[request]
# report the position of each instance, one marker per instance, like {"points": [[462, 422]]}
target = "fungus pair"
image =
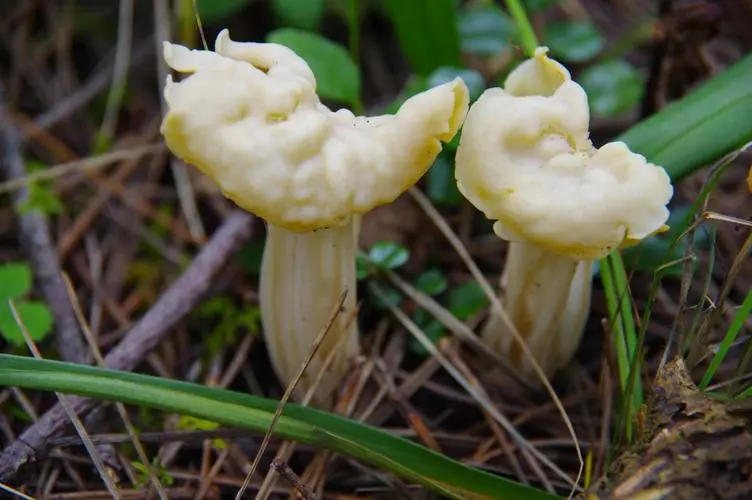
{"points": [[248, 117]]}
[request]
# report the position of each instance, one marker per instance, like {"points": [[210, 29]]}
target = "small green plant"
{"points": [[42, 198], [228, 320], [15, 284], [142, 473]]}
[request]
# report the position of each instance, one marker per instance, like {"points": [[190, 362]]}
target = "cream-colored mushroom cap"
{"points": [[248, 116], [525, 160]]}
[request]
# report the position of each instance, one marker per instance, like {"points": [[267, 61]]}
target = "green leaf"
{"points": [[212, 11], [574, 41], [467, 300], [441, 185], [35, 316], [388, 255], [15, 280], [41, 199], [434, 330], [387, 297], [710, 122], [306, 425], [427, 32], [486, 31], [474, 80], [337, 76], [431, 282], [304, 14], [613, 87], [362, 266]]}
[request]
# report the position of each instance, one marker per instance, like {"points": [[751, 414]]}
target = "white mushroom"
{"points": [[248, 116], [526, 161]]}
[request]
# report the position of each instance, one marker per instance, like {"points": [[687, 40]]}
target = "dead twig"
{"points": [[174, 304], [35, 236]]}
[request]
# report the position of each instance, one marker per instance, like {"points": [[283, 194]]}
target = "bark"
{"points": [[691, 446]]}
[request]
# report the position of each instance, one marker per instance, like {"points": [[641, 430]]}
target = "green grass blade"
{"points": [[690, 133], [379, 448], [616, 288], [428, 33], [728, 340], [527, 33]]}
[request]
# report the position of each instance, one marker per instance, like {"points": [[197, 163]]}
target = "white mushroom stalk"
{"points": [[248, 116], [526, 161]]}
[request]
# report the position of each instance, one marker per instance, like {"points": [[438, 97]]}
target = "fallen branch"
{"points": [[35, 237], [171, 307]]}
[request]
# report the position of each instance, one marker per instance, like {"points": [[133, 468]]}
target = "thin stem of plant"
{"points": [[288, 392], [85, 439]]}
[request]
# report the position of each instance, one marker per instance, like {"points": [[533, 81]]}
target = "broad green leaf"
{"points": [[573, 41], [427, 32], [486, 31], [15, 280], [35, 316], [431, 282], [388, 255], [304, 14], [613, 87], [212, 11], [474, 80], [466, 300], [710, 122], [337, 76], [323, 430], [441, 185]]}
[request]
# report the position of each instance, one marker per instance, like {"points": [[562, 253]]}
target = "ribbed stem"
{"points": [[547, 297], [302, 278]]}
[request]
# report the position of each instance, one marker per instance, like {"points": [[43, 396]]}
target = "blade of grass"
{"points": [[616, 288], [728, 340], [704, 125], [379, 448], [527, 33]]}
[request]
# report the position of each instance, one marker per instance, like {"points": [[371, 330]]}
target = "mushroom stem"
{"points": [[547, 296], [302, 277]]}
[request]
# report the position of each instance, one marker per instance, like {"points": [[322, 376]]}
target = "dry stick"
{"points": [[287, 473], [497, 308], [14, 492], [120, 70], [91, 88], [35, 236], [130, 429], [71, 413], [336, 310], [478, 393], [179, 171], [172, 306], [288, 447]]}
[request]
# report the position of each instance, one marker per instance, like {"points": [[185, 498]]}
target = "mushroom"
{"points": [[526, 161], [248, 117]]}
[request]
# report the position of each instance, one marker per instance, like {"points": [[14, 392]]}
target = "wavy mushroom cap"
{"points": [[525, 160], [248, 116]]}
